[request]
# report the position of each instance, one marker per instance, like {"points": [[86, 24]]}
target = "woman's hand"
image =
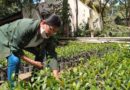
{"points": [[56, 74]]}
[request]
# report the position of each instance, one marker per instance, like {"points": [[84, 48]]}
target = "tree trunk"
{"points": [[76, 15], [91, 27], [129, 13]]}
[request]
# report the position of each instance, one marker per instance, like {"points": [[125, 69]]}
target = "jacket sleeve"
{"points": [[23, 31], [51, 54], [15, 49]]}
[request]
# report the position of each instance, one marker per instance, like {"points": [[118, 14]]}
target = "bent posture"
{"points": [[22, 34]]}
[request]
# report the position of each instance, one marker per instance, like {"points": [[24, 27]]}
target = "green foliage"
{"points": [[83, 30], [65, 12], [113, 30], [74, 48], [102, 72], [8, 8], [3, 63]]}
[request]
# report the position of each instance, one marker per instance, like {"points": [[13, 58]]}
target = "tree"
{"points": [[129, 12], [76, 1], [8, 7], [126, 4], [65, 17]]}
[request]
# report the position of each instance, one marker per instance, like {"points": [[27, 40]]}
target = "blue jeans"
{"points": [[13, 67]]}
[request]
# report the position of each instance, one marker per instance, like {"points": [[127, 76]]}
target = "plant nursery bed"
{"points": [[25, 76]]}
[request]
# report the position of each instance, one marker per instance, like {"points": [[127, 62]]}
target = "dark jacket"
{"points": [[46, 53], [16, 35]]}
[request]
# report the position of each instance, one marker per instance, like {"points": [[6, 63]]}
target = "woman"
{"points": [[22, 34]]}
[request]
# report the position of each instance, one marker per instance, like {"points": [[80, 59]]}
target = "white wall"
{"points": [[83, 15]]}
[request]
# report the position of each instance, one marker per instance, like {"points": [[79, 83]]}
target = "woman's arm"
{"points": [[35, 63]]}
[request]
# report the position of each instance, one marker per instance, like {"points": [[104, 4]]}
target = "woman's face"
{"points": [[50, 30]]}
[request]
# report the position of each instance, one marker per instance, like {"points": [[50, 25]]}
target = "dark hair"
{"points": [[53, 20], [45, 14]]}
